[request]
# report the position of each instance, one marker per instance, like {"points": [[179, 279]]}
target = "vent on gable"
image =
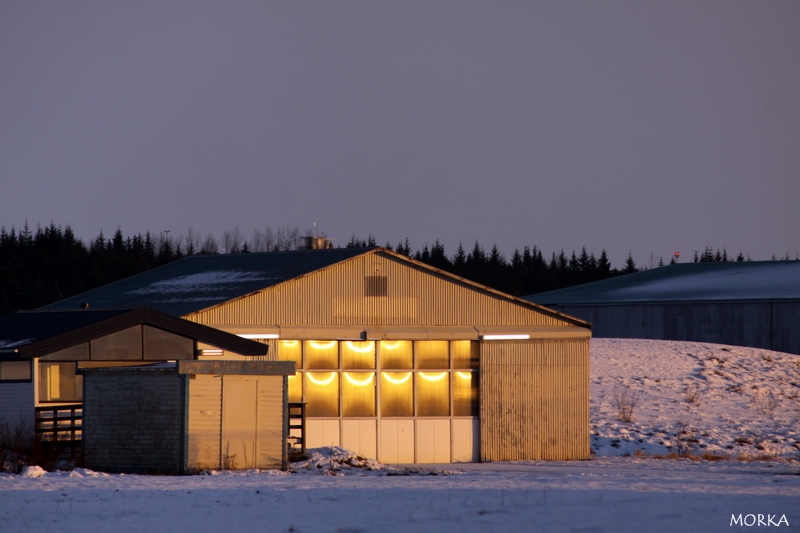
{"points": [[376, 286]]}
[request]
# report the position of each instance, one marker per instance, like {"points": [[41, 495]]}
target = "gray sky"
{"points": [[636, 126]]}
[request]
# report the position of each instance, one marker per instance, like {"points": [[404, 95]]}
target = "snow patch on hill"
{"points": [[694, 398]]}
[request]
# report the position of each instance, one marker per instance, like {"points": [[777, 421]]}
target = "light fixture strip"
{"points": [[507, 337]]}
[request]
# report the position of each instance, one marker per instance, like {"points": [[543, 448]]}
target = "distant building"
{"points": [[754, 304], [315, 242], [395, 359]]}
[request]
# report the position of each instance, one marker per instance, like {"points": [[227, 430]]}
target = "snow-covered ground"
{"points": [[694, 398], [691, 398]]}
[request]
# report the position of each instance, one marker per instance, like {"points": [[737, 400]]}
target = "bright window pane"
{"points": [[322, 354], [291, 351], [358, 354], [396, 354], [296, 388], [358, 394], [465, 394], [397, 394], [465, 354], [322, 393], [58, 383], [433, 394], [432, 354]]}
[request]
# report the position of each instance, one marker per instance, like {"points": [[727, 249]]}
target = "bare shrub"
{"points": [[764, 403], [685, 438], [624, 401], [691, 393], [16, 443]]}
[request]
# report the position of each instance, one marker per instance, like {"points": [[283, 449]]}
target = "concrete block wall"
{"points": [[133, 421]]}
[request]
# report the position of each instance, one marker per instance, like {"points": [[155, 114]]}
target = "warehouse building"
{"points": [[395, 359], [755, 304]]}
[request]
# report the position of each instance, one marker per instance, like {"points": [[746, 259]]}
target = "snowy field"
{"points": [[690, 399]]}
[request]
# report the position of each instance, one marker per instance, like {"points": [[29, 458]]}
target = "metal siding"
{"points": [[239, 416], [534, 400], [17, 403], [334, 297], [771, 325], [360, 436], [270, 422], [204, 429]]}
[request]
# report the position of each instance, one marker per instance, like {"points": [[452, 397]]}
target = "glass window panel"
{"points": [[322, 354], [433, 394], [322, 393], [358, 354], [465, 354], [397, 394], [432, 354], [465, 394], [291, 351], [358, 394], [75, 353], [59, 383], [296, 388], [396, 354], [124, 345], [160, 345], [15, 370]]}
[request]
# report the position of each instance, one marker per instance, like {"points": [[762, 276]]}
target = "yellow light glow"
{"points": [[400, 381], [391, 345], [324, 345], [289, 344], [464, 375], [321, 382], [361, 349], [363, 383], [433, 377]]}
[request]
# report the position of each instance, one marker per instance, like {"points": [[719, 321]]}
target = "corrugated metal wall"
{"points": [[204, 429], [770, 325], [336, 296], [235, 422], [270, 424], [534, 400]]}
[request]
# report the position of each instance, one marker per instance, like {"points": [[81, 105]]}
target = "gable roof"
{"points": [[201, 281], [37, 333], [757, 280]]}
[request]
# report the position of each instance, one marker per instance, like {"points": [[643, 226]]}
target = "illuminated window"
{"points": [[397, 394], [357, 354], [465, 394], [15, 370], [296, 388], [322, 393], [358, 394], [433, 394], [291, 351], [396, 354], [465, 354], [432, 354], [321, 354], [59, 383]]}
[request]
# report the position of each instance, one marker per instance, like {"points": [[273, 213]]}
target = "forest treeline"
{"points": [[46, 265]]}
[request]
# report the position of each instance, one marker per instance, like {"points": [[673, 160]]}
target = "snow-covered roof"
{"points": [[202, 281], [758, 280]]}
